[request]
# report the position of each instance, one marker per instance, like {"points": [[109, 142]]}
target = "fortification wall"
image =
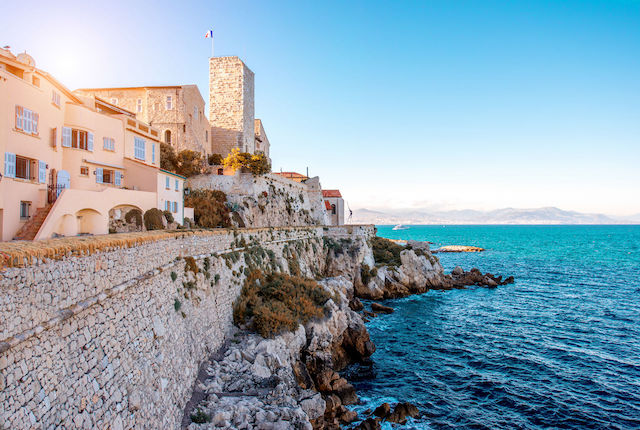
{"points": [[113, 338], [269, 200]]}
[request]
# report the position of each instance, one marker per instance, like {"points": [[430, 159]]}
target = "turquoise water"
{"points": [[560, 348]]}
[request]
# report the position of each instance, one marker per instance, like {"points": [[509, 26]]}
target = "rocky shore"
{"points": [[291, 381]]}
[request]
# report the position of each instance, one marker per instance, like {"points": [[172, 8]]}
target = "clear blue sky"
{"points": [[449, 104]]}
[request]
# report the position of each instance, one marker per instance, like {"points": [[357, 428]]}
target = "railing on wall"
{"points": [[53, 191]]}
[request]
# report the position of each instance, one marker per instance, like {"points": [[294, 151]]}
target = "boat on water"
{"points": [[401, 227]]}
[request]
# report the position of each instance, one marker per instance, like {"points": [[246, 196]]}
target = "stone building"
{"points": [[177, 111]]}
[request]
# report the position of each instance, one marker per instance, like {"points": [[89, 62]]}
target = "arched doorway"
{"points": [[90, 221]]}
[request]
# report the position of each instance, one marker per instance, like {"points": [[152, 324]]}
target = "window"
{"points": [[166, 205], [79, 139], [24, 168], [174, 207], [169, 102], [26, 120], [177, 185], [166, 183], [195, 112], [35, 81], [24, 210], [114, 101], [107, 176], [84, 170], [55, 98], [109, 144], [54, 137], [333, 209], [139, 105], [167, 136], [153, 152], [206, 136], [139, 148]]}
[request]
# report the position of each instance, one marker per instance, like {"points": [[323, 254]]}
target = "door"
{"points": [[63, 181]]}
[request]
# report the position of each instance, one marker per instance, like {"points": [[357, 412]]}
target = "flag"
{"points": [[209, 34]]}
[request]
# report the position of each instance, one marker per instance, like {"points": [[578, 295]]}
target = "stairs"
{"points": [[29, 230]]}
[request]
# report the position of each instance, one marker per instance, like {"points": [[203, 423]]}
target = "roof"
{"points": [[131, 88], [331, 193], [174, 174]]}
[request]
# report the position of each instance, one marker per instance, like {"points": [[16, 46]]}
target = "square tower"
{"points": [[231, 105]]}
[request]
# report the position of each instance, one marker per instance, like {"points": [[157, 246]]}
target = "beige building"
{"points": [[177, 111], [69, 161]]}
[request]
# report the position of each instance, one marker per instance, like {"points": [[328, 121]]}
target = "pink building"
{"points": [[70, 162]]}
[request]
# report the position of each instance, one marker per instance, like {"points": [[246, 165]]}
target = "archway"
{"points": [[90, 221]]}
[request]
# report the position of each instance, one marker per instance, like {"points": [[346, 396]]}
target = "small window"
{"points": [[167, 136], [79, 139], [206, 136], [114, 101], [169, 102], [55, 98], [109, 144], [333, 209], [139, 106], [25, 168], [166, 183], [36, 81], [184, 128], [177, 185], [195, 112], [107, 176], [84, 170], [139, 148], [174, 207], [26, 120], [153, 152], [25, 208]]}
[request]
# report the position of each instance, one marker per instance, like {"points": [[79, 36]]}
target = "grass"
{"points": [[273, 303]]}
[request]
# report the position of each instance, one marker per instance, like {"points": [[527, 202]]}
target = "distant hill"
{"points": [[547, 215]]}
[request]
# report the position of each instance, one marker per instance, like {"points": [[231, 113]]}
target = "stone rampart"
{"points": [[113, 339]]}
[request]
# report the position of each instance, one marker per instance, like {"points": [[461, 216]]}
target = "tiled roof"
{"points": [[331, 193]]}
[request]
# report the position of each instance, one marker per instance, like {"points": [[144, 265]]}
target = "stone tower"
{"points": [[231, 105]]}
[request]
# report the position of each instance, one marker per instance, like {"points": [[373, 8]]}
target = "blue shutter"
{"points": [[90, 141], [118, 179], [177, 185], [99, 175], [66, 137], [9, 165], [153, 152], [166, 182], [42, 172]]}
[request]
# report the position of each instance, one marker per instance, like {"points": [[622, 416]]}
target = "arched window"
{"points": [[333, 209], [167, 136]]}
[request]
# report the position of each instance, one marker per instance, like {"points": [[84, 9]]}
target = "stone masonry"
{"points": [[231, 105], [113, 339]]}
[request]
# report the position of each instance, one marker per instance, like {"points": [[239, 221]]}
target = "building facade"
{"points": [[69, 160], [334, 205], [177, 111]]}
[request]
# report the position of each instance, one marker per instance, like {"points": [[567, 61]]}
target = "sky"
{"points": [[431, 104]]}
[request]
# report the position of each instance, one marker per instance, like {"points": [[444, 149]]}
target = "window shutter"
{"points": [[54, 137], [176, 185], [118, 179], [19, 117], [99, 175], [34, 127], [42, 172], [9, 165], [66, 137], [90, 142], [153, 152]]}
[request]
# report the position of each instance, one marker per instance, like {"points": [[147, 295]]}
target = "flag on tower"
{"points": [[209, 34]]}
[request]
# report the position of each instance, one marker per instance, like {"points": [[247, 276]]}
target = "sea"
{"points": [[559, 349]]}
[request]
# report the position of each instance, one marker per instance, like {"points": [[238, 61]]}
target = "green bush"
{"points": [[168, 216], [386, 252], [215, 159], [153, 219], [277, 302], [200, 417], [134, 215], [258, 164], [209, 209], [367, 273]]}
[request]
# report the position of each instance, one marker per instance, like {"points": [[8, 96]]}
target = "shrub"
{"points": [[168, 216], [168, 159], [209, 209], [174, 276], [153, 219], [277, 302], [200, 417], [215, 159], [189, 163], [367, 273], [258, 164], [386, 252], [177, 304], [134, 215]]}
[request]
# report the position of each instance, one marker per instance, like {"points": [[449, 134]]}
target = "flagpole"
{"points": [[211, 43]]}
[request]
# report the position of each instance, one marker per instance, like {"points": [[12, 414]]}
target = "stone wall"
{"points": [[231, 105], [114, 339], [270, 200]]}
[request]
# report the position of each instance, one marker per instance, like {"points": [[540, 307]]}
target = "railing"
{"points": [[53, 191]]}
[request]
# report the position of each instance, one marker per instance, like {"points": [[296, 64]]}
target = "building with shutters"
{"points": [[334, 204], [70, 161]]}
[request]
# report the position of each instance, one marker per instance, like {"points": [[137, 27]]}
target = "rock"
{"points": [[314, 407], [355, 304], [457, 271], [509, 280], [369, 424], [377, 307], [402, 411], [458, 248], [382, 411], [348, 416], [134, 401]]}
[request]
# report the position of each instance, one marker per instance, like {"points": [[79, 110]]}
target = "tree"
{"points": [[258, 164], [209, 209], [189, 163], [215, 159], [168, 160]]}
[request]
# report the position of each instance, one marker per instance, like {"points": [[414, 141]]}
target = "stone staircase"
{"points": [[29, 230]]}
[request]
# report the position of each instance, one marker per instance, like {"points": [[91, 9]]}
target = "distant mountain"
{"points": [[547, 215]]}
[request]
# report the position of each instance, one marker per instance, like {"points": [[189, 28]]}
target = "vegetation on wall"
{"points": [[186, 163], [215, 159], [168, 216], [386, 252], [258, 164], [134, 215], [276, 302], [153, 219], [209, 209]]}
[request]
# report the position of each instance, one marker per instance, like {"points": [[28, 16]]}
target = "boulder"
{"points": [[377, 307], [369, 424], [401, 412], [382, 411]]}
